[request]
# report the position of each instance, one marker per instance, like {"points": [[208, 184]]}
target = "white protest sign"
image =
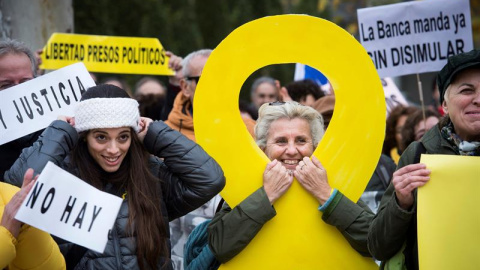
{"points": [[34, 104], [416, 36], [393, 96], [64, 205]]}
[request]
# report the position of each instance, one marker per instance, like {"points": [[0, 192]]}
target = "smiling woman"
{"points": [[110, 147], [287, 133]]}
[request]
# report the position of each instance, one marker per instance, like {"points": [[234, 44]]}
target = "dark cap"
{"points": [[454, 65]]}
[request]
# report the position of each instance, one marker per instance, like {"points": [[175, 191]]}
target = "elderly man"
{"points": [[181, 119], [181, 116], [17, 65], [264, 90]]}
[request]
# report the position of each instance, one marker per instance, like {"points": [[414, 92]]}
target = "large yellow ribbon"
{"points": [[296, 238]]}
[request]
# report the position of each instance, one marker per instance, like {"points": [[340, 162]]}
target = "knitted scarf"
{"points": [[463, 147]]}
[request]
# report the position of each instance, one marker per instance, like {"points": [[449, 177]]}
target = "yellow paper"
{"points": [[448, 214], [128, 55], [297, 237]]}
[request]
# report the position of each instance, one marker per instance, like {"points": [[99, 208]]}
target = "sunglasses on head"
{"points": [[276, 103]]}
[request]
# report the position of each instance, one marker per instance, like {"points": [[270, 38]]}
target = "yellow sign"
{"points": [[297, 237], [128, 55], [448, 217]]}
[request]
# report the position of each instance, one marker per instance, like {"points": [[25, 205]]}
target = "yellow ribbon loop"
{"points": [[296, 238]]}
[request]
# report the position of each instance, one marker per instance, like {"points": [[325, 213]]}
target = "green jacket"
{"points": [[392, 227], [232, 229]]}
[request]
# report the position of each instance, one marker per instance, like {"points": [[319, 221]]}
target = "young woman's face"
{"points": [[289, 141], [109, 146]]}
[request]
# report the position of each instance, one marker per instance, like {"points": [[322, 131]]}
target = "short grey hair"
{"points": [[447, 92], [11, 46], [258, 81], [267, 114], [186, 61]]}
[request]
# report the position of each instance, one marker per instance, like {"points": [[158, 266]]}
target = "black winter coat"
{"points": [[189, 178]]}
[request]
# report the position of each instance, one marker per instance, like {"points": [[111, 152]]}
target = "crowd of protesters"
{"points": [[168, 206]]}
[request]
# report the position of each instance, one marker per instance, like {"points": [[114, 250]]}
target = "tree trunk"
{"points": [[32, 22]]}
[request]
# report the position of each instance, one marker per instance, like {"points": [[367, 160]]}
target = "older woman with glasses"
{"points": [[288, 133]]}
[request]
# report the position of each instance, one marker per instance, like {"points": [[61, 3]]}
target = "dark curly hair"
{"points": [[299, 90], [390, 142], [408, 131]]}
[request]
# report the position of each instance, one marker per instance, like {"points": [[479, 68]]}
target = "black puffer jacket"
{"points": [[9, 152], [190, 177]]}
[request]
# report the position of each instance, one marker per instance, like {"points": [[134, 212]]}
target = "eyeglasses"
{"points": [[193, 78], [276, 103]]}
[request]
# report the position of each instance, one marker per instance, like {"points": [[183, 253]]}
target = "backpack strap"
{"points": [[220, 205]]}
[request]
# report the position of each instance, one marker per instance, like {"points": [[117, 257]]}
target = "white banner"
{"points": [[64, 205], [416, 36], [34, 104], [393, 96]]}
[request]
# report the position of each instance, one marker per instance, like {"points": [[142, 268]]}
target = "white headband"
{"points": [[107, 113]]}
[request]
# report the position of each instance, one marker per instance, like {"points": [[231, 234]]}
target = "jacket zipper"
{"points": [[116, 249]]}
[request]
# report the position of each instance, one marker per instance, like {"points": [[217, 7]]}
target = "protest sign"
{"points": [[415, 37], [448, 219], [131, 55], [64, 205], [34, 104], [393, 96]]}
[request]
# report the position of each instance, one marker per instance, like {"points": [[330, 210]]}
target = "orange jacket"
{"points": [[181, 119]]}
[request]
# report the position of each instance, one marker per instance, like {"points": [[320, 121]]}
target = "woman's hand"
{"points": [[144, 123], [68, 119], [313, 177], [276, 180], [406, 180], [11, 209]]}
